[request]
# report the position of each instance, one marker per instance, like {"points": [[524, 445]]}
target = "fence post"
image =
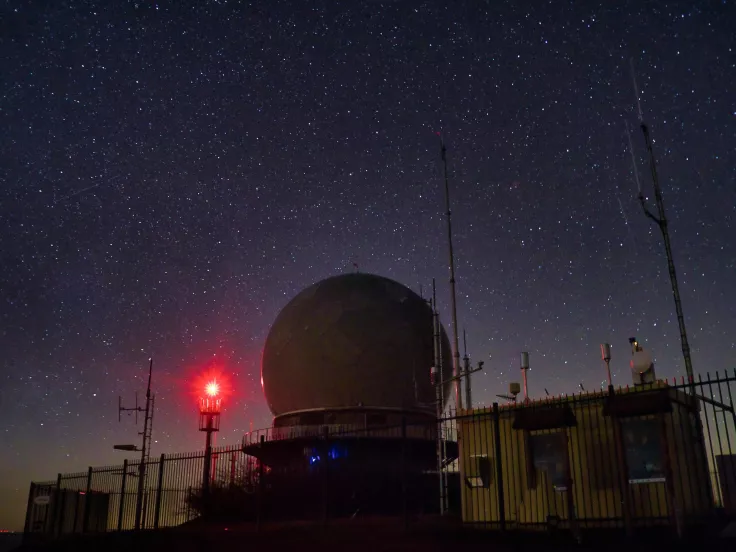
{"points": [[29, 511], [623, 471], [569, 492], [76, 511], [498, 453], [404, 490], [232, 468], [85, 512], [669, 479], [62, 509], [159, 491], [56, 498], [122, 495], [259, 512], [324, 457]]}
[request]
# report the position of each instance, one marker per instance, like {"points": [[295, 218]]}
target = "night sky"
{"points": [[173, 173]]}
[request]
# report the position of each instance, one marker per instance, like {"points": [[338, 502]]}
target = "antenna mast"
{"points": [[456, 372], [439, 383], [466, 369], [145, 444], [661, 222]]}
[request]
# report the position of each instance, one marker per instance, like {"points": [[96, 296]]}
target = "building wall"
{"points": [[595, 468]]}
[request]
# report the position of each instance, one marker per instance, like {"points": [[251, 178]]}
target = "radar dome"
{"points": [[354, 340]]}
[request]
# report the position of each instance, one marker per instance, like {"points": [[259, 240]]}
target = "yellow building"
{"points": [[624, 459]]}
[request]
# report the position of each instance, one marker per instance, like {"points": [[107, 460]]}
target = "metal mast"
{"points": [[439, 381], [456, 372], [466, 371], [661, 222], [145, 448]]}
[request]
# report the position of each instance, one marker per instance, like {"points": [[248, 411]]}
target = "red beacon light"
{"points": [[210, 407]]}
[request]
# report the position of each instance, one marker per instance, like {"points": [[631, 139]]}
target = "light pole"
{"points": [[209, 422]]}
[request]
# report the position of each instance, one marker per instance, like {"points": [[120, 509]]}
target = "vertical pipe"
{"points": [[159, 490], [499, 466]]}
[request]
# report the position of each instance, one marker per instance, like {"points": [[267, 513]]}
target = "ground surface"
{"points": [[377, 535]]}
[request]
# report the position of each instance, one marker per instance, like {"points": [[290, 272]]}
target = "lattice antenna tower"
{"points": [[661, 221]]}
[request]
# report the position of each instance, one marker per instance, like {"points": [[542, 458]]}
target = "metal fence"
{"points": [[628, 458], [661, 455], [75, 500]]}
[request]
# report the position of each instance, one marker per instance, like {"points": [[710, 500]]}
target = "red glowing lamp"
{"points": [[210, 404], [212, 389]]}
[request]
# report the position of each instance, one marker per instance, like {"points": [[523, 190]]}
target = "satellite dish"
{"points": [[42, 500], [642, 367]]}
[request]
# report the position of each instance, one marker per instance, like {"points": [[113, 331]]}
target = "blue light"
{"points": [[333, 453]]}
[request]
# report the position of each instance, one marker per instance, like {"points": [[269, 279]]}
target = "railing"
{"points": [[578, 472], [334, 431]]}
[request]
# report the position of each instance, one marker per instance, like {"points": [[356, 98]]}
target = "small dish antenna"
{"points": [[642, 365]]}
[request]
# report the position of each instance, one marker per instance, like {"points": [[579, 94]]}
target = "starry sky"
{"points": [[173, 173]]}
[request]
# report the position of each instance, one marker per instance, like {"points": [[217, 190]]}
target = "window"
{"points": [[548, 455], [642, 449], [479, 472]]}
